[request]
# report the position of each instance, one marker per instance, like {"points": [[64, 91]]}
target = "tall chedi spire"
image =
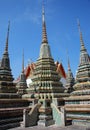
{"points": [[22, 85], [44, 33], [6, 47], [23, 62], [6, 78], [84, 57], [45, 49], [69, 79], [82, 83], [47, 69], [46, 83], [5, 60]]}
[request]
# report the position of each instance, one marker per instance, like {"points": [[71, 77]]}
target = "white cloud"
{"points": [[33, 14], [28, 15]]}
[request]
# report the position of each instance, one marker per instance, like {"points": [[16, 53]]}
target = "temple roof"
{"points": [[28, 71]]}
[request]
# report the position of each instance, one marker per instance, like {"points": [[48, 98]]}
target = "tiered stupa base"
{"points": [[9, 95], [82, 88], [78, 109]]}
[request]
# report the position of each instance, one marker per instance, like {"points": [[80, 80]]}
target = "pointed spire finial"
{"points": [[69, 68], [68, 64], [78, 22], [81, 37], [68, 61], [44, 34], [43, 12], [6, 47], [23, 62]]}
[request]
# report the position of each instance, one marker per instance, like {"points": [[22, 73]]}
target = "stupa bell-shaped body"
{"points": [[45, 51]]}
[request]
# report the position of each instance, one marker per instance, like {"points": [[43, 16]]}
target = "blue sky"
{"points": [[26, 30]]}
